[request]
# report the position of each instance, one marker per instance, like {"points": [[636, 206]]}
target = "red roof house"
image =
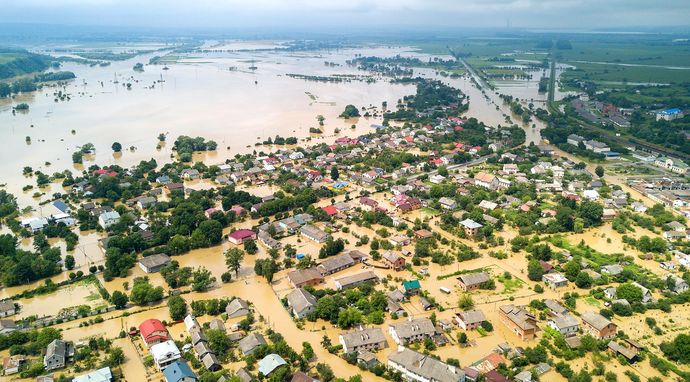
{"points": [[330, 210], [153, 332], [238, 237]]}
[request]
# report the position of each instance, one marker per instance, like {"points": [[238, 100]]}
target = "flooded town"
{"points": [[504, 205]]}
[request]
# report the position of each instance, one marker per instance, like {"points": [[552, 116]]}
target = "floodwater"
{"points": [[215, 95]]}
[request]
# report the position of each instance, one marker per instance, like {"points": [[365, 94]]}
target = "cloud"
{"points": [[344, 13]]}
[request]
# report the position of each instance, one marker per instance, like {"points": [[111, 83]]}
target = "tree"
{"points": [[233, 259], [465, 302], [629, 292], [177, 308], [218, 341], [307, 351], [350, 111], [325, 372], [69, 262], [591, 213], [349, 317], [583, 280], [117, 147], [250, 247], [677, 350], [534, 270], [116, 357], [143, 292], [599, 171], [334, 173], [119, 299], [202, 279]]}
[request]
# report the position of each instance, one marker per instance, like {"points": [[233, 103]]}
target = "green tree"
{"points": [[349, 317], [233, 259], [350, 111], [117, 147], [177, 308], [116, 357], [599, 171], [583, 280], [69, 262], [335, 175], [465, 302], [202, 280], [534, 270], [119, 299], [629, 292], [250, 247]]}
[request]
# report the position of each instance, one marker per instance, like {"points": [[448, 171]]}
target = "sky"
{"points": [[344, 15]]}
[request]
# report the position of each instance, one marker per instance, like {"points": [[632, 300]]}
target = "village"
{"points": [[434, 248]]}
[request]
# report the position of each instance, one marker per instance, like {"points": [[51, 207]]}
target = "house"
{"points": [[210, 362], [108, 218], [243, 375], [646, 293], [179, 371], [7, 308], [630, 350], [241, 235], [413, 330], [153, 332], [393, 261], [302, 377], [437, 179], [270, 363], [355, 280], [335, 264], [252, 341], [425, 304], [575, 140], [554, 280], [12, 364], [301, 302], [8, 326], [598, 326], [266, 239], [612, 269], [423, 234], [154, 263], [447, 203], [58, 354], [420, 367], [399, 240], [555, 308], [596, 146], [411, 287], [363, 339], [191, 324], [217, 324], [145, 202], [486, 180], [487, 205], [471, 227], [469, 319], [189, 174], [669, 114], [314, 233], [100, 375], [165, 353], [566, 324], [678, 284], [510, 168], [301, 277], [517, 319], [472, 281], [237, 308]]}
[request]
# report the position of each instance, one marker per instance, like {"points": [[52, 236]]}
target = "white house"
{"points": [[106, 219]]}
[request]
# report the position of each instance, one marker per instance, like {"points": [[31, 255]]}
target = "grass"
{"points": [[510, 285], [430, 211], [589, 300]]}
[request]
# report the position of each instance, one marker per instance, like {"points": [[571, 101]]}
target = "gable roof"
{"points": [[178, 370]]}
